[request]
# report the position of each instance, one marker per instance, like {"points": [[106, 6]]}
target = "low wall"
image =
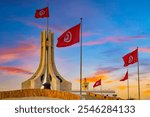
{"points": [[102, 97], [38, 93]]}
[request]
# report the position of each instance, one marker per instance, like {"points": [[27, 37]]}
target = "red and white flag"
{"points": [[97, 83], [125, 77], [69, 37], [42, 13], [130, 58]]}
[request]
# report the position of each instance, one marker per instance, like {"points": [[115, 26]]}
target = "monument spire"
{"points": [[47, 76]]}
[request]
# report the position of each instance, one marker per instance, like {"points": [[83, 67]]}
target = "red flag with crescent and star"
{"points": [[125, 77], [69, 37], [97, 83], [42, 13], [130, 58]]}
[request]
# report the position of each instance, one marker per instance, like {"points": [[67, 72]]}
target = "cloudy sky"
{"points": [[111, 29]]}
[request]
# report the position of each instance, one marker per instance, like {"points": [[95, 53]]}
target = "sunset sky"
{"points": [[111, 29]]}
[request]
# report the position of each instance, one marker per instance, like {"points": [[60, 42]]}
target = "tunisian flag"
{"points": [[97, 83], [130, 58], [125, 77], [41, 13], [69, 37]]}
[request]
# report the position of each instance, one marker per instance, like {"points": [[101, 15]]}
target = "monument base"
{"points": [[33, 94]]}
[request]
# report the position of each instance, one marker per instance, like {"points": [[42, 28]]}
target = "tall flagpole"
{"points": [[128, 86], [81, 60], [47, 23], [138, 76]]}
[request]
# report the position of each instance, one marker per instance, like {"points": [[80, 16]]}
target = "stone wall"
{"points": [[102, 97], [38, 92]]}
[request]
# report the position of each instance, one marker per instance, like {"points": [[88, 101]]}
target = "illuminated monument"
{"points": [[47, 76]]}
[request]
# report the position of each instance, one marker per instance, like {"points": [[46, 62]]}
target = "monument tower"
{"points": [[47, 76]]}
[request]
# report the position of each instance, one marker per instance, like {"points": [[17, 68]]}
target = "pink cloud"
{"points": [[14, 70], [86, 34], [59, 29], [56, 28], [107, 70], [141, 49], [113, 39], [27, 48], [23, 46], [144, 49], [4, 58], [91, 43], [37, 25], [28, 22]]}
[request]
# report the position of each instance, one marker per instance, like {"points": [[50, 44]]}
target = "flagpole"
{"points": [[101, 86], [128, 86], [47, 23], [138, 76], [81, 60], [47, 26]]}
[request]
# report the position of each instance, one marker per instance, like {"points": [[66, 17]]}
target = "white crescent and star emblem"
{"points": [[130, 59], [42, 12], [68, 37]]}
